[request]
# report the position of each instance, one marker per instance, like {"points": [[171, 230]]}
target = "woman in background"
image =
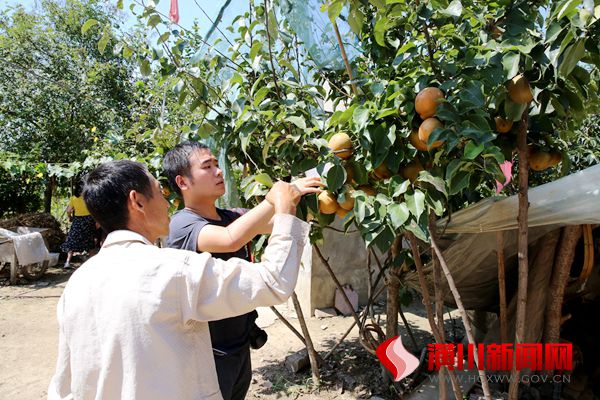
{"points": [[83, 227]]}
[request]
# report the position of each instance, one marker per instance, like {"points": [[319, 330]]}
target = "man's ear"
{"points": [[136, 201], [181, 183]]}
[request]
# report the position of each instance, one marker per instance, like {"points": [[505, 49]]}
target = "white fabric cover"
{"points": [[572, 200]]}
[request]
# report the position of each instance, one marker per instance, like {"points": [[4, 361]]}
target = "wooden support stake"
{"points": [[463, 313], [427, 300]]}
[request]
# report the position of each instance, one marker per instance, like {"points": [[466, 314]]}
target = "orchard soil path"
{"points": [[28, 346]]}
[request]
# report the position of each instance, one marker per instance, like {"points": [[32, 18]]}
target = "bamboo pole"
{"points": [[461, 309], [345, 58]]}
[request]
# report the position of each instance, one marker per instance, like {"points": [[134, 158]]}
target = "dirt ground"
{"points": [[28, 345]]}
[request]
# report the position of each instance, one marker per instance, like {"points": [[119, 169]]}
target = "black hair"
{"points": [[177, 162], [78, 188], [106, 191]]}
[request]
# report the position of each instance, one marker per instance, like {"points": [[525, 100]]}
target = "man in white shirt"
{"points": [[133, 319]]}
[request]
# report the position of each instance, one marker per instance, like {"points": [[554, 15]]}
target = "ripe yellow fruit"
{"points": [[327, 202], [176, 203], [416, 142], [341, 145], [428, 126], [556, 158], [427, 101], [519, 90], [503, 125], [341, 213], [348, 203], [382, 172], [166, 192], [411, 170], [539, 160], [369, 190]]}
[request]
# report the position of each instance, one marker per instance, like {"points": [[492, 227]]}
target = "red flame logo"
{"points": [[396, 358]]}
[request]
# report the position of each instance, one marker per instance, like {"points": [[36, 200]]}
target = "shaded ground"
{"points": [[28, 344]]}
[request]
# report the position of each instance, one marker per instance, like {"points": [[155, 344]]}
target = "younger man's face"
{"points": [[206, 178]]}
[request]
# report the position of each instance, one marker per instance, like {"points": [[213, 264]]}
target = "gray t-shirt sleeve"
{"points": [[184, 229]]}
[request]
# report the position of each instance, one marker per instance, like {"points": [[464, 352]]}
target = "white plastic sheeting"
{"points": [[572, 200], [471, 235]]}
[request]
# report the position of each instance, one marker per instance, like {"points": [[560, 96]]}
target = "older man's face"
{"points": [[158, 211]]}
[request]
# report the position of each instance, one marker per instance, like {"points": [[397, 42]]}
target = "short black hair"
{"points": [[106, 190], [177, 161]]}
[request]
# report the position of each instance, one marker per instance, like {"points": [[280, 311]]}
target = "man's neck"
{"points": [[205, 208]]}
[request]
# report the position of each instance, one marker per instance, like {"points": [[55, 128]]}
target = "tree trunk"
{"points": [[558, 282], [393, 290], [50, 184], [312, 354], [427, 301], [539, 278], [513, 389], [463, 313], [439, 303]]}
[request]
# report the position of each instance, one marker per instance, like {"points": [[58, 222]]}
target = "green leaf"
{"points": [[260, 95], [334, 10], [437, 182], [298, 121], [510, 64], [154, 20], [273, 28], [398, 214], [459, 182], [127, 52], [256, 47], [454, 9], [356, 20], [103, 41], [568, 7], [360, 117], [472, 150], [452, 168], [401, 188], [164, 37], [415, 203], [378, 3], [264, 179], [145, 67], [87, 25], [381, 26], [120, 4], [571, 57], [336, 176]]}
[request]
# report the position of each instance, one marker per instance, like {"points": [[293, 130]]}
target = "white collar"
{"points": [[124, 235]]}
